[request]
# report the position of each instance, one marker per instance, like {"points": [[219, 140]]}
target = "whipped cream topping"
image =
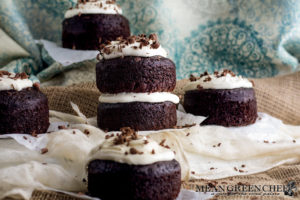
{"points": [[12, 81], [132, 149], [94, 7], [124, 97], [223, 80], [133, 46]]}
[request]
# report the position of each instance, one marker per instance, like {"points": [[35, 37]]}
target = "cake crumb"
{"points": [[44, 150], [37, 86], [153, 151], [34, 134], [62, 127], [87, 132]]}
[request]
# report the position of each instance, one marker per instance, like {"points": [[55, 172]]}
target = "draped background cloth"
{"points": [[258, 38]]}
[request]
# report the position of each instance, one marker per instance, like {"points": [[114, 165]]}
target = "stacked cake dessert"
{"points": [[224, 98], [129, 166], [135, 79], [23, 107], [92, 22]]}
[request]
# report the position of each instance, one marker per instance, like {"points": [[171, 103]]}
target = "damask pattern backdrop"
{"points": [[257, 38]]}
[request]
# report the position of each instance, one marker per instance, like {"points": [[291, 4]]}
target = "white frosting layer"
{"points": [[224, 82], [8, 83], [94, 8], [124, 97], [151, 152], [133, 50]]}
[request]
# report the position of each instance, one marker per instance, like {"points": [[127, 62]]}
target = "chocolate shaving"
{"points": [[199, 87], [4, 73], [127, 134], [193, 78], [207, 79], [135, 151], [142, 39], [162, 142]]}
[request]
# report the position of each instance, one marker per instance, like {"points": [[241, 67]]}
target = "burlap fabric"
{"points": [[278, 96]]}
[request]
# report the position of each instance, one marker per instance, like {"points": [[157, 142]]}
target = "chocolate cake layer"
{"points": [[225, 107], [137, 115], [112, 180], [24, 111], [84, 31], [136, 74]]}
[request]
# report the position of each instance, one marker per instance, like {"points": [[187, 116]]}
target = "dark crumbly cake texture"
{"points": [[88, 31], [136, 74], [24, 111], [137, 115], [112, 180], [225, 107]]}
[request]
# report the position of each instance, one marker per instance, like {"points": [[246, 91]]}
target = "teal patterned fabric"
{"points": [[257, 38]]}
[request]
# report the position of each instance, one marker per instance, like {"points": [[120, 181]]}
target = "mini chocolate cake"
{"points": [[136, 79], [224, 98], [23, 107], [138, 169], [92, 22], [136, 74]]}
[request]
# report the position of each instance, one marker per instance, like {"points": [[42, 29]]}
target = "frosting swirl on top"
{"points": [[132, 149], [219, 80], [94, 7], [12, 81], [141, 45]]}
